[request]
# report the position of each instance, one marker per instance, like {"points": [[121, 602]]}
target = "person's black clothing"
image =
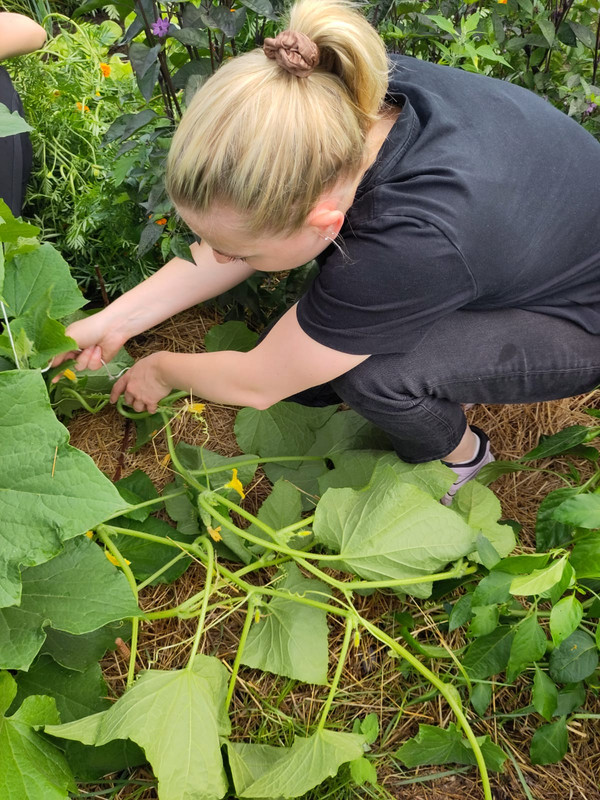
{"points": [[484, 196], [15, 152]]}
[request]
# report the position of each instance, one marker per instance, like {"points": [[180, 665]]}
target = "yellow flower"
{"points": [[503, 1], [81, 107], [105, 69], [235, 484], [304, 533], [164, 461], [215, 533], [113, 560], [70, 375], [195, 408], [56, 93], [89, 534], [98, 94]]}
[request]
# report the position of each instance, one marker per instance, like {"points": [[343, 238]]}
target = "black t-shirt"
{"points": [[483, 196]]}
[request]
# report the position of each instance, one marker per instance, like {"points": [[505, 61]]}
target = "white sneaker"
{"points": [[469, 470]]}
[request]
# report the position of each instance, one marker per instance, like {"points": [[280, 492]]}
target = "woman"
{"points": [[18, 35], [454, 217]]}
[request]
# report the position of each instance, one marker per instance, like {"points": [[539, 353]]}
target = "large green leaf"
{"points": [[391, 530], [177, 717], [354, 469], [291, 772], [433, 745], [562, 441], [281, 508], [231, 335], [582, 511], [148, 557], [11, 123], [32, 767], [50, 491], [489, 654], [550, 743], [575, 659], [480, 508], [528, 646], [549, 532], [585, 557], [78, 651], [347, 430], [77, 694], [77, 592], [47, 336], [285, 429], [291, 638], [565, 618], [540, 580], [30, 275], [544, 694]]}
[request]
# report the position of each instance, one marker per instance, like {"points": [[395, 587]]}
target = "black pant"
{"points": [[15, 152], [501, 356]]}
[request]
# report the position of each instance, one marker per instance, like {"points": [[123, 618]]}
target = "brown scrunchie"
{"points": [[293, 51]]}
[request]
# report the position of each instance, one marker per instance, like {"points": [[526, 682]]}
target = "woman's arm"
{"points": [[178, 285], [19, 35], [285, 362]]}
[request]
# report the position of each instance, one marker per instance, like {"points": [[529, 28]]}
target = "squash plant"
{"points": [[76, 550]]}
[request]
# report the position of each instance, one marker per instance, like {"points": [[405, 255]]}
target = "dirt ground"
{"points": [[371, 681]]}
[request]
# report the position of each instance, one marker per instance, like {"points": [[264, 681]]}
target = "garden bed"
{"points": [[264, 705]]}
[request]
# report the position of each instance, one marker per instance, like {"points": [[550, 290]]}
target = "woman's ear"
{"points": [[327, 218]]}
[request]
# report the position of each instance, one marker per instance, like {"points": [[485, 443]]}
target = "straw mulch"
{"points": [[264, 704]]}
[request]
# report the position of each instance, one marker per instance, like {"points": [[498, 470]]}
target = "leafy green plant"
{"points": [[72, 94]]}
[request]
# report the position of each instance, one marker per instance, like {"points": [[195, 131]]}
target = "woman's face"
{"points": [[223, 231]]}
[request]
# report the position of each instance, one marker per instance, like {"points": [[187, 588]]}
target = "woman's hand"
{"points": [[97, 340], [143, 385]]}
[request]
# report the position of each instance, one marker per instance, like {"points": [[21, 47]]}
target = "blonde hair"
{"points": [[268, 144]]}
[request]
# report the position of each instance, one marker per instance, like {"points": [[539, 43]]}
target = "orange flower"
{"points": [[161, 221], [81, 107], [504, 2], [105, 69]]}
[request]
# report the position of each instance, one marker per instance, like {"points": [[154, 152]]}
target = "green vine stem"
{"points": [[155, 501], [252, 603], [103, 532], [350, 627], [210, 568], [448, 693], [250, 461], [300, 556]]}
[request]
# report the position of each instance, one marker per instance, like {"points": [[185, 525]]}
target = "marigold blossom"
{"points": [[105, 69], [161, 221], [81, 107]]}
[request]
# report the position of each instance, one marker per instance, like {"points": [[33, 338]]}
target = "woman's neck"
{"points": [[374, 142]]}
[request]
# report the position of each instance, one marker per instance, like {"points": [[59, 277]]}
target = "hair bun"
{"points": [[294, 52]]}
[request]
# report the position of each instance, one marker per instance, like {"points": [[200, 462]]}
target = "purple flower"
{"points": [[590, 109], [160, 28]]}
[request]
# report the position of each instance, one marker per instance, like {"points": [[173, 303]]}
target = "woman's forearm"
{"points": [[222, 377], [178, 285]]}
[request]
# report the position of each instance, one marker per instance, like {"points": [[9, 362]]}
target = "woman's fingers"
{"points": [[89, 358]]}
